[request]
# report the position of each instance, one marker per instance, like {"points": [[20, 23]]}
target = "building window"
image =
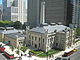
{"points": [[14, 17], [39, 44], [14, 10], [63, 41], [32, 42], [32, 37], [51, 38], [29, 37], [35, 46], [35, 38], [9, 42], [43, 40], [56, 44], [48, 40], [39, 39], [68, 38]]}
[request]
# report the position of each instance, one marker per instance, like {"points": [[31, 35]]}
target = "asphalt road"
{"points": [[2, 57], [75, 56]]}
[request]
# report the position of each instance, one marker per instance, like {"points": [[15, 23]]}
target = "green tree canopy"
{"points": [[17, 25], [24, 26], [2, 24], [78, 31], [24, 48], [6, 23]]}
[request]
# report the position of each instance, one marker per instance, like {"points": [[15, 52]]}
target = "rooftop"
{"points": [[16, 35], [8, 31], [50, 28], [8, 51]]}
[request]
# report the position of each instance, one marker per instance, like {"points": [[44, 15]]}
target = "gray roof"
{"points": [[16, 35], [49, 28], [8, 31]]}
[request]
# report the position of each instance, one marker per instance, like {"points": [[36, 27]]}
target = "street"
{"points": [[76, 55], [2, 57]]}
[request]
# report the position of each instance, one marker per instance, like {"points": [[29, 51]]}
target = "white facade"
{"points": [[42, 15], [48, 37], [21, 11]]}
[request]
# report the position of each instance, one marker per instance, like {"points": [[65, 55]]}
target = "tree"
{"points": [[2, 24], [17, 25], [6, 23], [24, 26], [24, 48], [9, 24], [78, 31]]}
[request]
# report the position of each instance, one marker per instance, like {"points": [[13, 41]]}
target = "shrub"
{"points": [[24, 48]]}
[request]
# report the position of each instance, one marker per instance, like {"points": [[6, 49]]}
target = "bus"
{"points": [[9, 54], [66, 55], [2, 48]]}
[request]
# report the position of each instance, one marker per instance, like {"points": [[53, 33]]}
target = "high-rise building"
{"points": [[55, 11], [14, 10], [76, 13], [0, 11], [33, 12], [49, 11]]}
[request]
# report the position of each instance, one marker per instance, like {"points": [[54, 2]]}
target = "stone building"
{"points": [[51, 36], [7, 30], [15, 39]]}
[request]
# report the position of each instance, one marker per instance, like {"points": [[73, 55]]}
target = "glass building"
{"points": [[49, 11], [76, 13]]}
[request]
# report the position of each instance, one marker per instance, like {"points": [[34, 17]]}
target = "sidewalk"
{"points": [[54, 56], [77, 44]]}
